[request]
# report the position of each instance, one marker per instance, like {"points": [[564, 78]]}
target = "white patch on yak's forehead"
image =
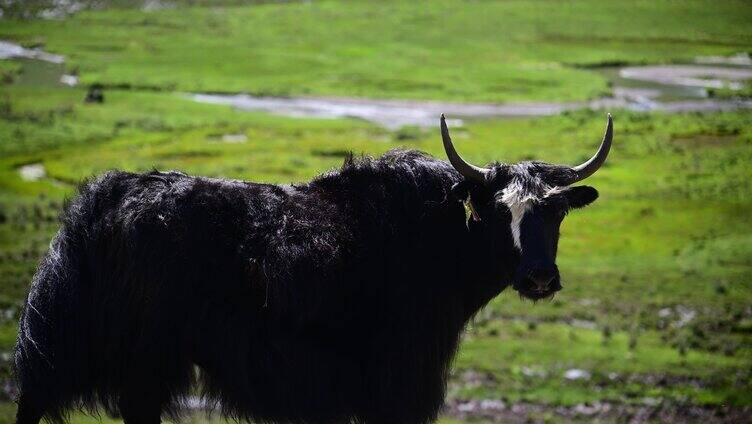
{"points": [[518, 203], [520, 194]]}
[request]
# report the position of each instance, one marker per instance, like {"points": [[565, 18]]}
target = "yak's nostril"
{"points": [[543, 282]]}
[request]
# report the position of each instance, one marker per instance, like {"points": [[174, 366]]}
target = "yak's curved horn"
{"points": [[467, 170], [588, 168]]}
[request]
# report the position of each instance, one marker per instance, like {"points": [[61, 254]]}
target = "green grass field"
{"points": [[499, 51], [657, 273]]}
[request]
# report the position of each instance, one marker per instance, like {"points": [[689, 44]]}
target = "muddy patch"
{"points": [[650, 410], [676, 317], [499, 411], [471, 379]]}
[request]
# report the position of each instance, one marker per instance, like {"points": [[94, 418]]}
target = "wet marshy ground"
{"points": [[664, 88]]}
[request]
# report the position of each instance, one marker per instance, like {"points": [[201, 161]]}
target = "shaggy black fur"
{"points": [[340, 300]]}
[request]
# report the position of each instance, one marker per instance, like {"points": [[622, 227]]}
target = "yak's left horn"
{"points": [[467, 170], [588, 168]]}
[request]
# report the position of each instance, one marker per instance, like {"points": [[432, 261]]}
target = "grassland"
{"points": [[671, 232], [657, 273]]}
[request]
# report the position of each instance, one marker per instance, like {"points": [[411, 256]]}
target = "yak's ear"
{"points": [[461, 191], [581, 196]]}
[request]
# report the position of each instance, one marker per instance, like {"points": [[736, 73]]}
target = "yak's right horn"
{"points": [[467, 170], [588, 168]]}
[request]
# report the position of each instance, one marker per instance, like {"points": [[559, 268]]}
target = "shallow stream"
{"points": [[666, 88]]}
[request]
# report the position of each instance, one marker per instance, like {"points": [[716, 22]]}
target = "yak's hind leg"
{"points": [[157, 375], [154, 379]]}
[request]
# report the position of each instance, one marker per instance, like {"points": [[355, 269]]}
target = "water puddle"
{"points": [[391, 114], [10, 50], [741, 59], [38, 68], [690, 75], [394, 114]]}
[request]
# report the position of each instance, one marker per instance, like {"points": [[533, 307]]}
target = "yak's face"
{"points": [[529, 206], [523, 205]]}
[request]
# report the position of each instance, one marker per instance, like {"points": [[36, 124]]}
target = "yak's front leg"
{"points": [[27, 412], [142, 402]]}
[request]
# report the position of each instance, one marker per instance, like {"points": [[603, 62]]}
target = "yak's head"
{"points": [[523, 205]]}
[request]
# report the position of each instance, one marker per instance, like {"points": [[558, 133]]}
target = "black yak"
{"points": [[341, 300]]}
